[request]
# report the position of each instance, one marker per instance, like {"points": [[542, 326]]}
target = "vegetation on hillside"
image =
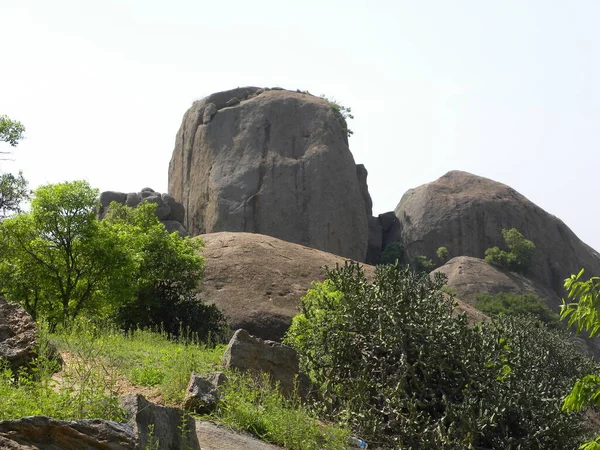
{"points": [[516, 304], [59, 262], [583, 311], [390, 359], [517, 258]]}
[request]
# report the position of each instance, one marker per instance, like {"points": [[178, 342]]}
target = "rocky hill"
{"points": [[274, 162], [466, 214], [258, 281]]}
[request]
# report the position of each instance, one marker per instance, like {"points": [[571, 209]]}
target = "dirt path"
{"points": [[218, 437]]}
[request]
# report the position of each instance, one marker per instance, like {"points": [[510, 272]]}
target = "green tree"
{"points": [[515, 305], [390, 358], [166, 278], [518, 257], [421, 263], [13, 192], [13, 189], [442, 253], [584, 312], [58, 260], [392, 253], [11, 131]]}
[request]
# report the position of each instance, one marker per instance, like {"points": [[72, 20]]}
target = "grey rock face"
{"points": [[17, 335], [160, 425], [466, 214], [251, 354], [276, 163], [107, 197], [44, 433], [170, 212], [202, 393], [468, 276]]}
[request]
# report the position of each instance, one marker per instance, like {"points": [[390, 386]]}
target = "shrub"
{"points": [[392, 253], [390, 359], [254, 405], [442, 253], [422, 264], [518, 258], [516, 304], [342, 113]]}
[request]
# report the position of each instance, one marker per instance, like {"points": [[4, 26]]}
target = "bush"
{"points": [[390, 359], [342, 113], [442, 253], [392, 253], [422, 264], [166, 276], [515, 304], [518, 258]]}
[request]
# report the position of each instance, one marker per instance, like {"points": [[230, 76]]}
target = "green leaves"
{"points": [[518, 258], [390, 358], [11, 131]]}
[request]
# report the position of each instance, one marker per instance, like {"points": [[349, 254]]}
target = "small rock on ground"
{"points": [[218, 437]]}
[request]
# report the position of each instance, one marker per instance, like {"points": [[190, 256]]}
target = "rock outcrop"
{"points": [[254, 355], [466, 214], [258, 281], [202, 394], [39, 432], [273, 162], [157, 426], [17, 335], [468, 276], [170, 212]]}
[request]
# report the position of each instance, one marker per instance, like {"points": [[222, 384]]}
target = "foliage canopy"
{"points": [[391, 359], [516, 304], [518, 257], [59, 261]]}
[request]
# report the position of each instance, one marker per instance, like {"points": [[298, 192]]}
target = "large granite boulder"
{"points": [[258, 281], [273, 162], [170, 212], [39, 432], [247, 353], [466, 214], [17, 335]]}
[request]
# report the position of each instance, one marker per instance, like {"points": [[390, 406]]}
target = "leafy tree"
{"points": [[584, 313], [58, 261], [392, 253], [390, 358], [11, 131], [421, 263], [515, 305], [13, 189], [442, 253], [166, 277], [518, 258], [13, 192]]}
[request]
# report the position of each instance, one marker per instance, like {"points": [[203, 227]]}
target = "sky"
{"points": [[508, 90]]}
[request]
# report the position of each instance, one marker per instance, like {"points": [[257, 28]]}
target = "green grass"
{"points": [[253, 405], [86, 389], [97, 358], [144, 357]]}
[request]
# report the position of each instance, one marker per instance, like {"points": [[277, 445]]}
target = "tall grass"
{"points": [[144, 357], [253, 404]]}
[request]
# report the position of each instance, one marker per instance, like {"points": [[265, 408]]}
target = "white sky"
{"points": [[508, 89]]}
